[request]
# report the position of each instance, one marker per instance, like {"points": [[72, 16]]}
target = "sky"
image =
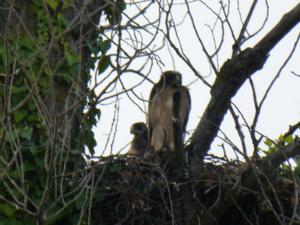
{"points": [[281, 109]]}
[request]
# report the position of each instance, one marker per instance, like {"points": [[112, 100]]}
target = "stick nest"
{"points": [[152, 190]]}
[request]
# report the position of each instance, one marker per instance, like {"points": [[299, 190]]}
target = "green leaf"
{"points": [[67, 4], [10, 221], [34, 151], [20, 115], [33, 118], [29, 166], [2, 53], [269, 142], [81, 200], [44, 82], [89, 141], [63, 20], [40, 162], [71, 58], [114, 12], [27, 133], [289, 139], [7, 209], [114, 168], [281, 137], [73, 219], [15, 90], [103, 63], [27, 42], [17, 193], [12, 135], [14, 173], [105, 46], [99, 196], [28, 221], [53, 3]]}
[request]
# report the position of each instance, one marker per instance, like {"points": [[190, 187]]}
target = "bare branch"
{"points": [[231, 77]]}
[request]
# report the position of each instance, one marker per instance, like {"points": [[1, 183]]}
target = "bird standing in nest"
{"points": [[168, 112]]}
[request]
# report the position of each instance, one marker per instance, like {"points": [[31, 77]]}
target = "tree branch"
{"points": [[266, 166], [251, 180], [231, 77]]}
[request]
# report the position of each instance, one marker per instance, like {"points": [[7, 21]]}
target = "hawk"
{"points": [[169, 104], [139, 144]]}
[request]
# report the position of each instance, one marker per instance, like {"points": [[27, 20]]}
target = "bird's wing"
{"points": [[185, 106], [152, 96]]}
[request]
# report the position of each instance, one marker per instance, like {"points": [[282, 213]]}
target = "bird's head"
{"points": [[172, 78], [138, 128]]}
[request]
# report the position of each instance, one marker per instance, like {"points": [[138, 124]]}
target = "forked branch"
{"points": [[233, 74]]}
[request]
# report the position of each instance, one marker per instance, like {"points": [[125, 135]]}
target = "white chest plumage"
{"points": [[169, 100]]}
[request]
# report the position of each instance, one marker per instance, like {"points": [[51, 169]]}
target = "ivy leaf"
{"points": [[73, 219], [89, 141], [15, 90], [40, 162], [71, 58], [67, 4], [13, 135], [44, 82], [53, 3], [289, 139], [28, 221], [105, 46], [10, 220], [2, 54], [27, 133], [103, 63], [20, 115], [99, 196], [33, 118], [30, 166], [114, 12], [269, 143], [7, 209], [27, 42], [114, 168], [62, 20], [81, 200]]}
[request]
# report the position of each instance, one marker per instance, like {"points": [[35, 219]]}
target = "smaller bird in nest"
{"points": [[140, 144]]}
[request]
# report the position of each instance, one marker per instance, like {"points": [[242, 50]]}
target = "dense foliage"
{"points": [[47, 110]]}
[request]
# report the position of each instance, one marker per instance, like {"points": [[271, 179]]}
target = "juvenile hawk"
{"points": [[139, 142], [169, 102]]}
